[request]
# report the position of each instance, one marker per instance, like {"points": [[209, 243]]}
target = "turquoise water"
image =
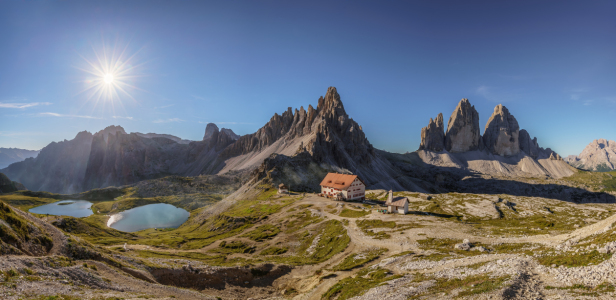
{"points": [[76, 208], [159, 215]]}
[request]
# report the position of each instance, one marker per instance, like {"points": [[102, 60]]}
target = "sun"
{"points": [[108, 78]]}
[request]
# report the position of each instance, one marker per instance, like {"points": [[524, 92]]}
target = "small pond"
{"points": [[73, 208], [159, 215]]}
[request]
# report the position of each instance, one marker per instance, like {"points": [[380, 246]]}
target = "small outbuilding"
{"points": [[283, 189], [398, 204]]}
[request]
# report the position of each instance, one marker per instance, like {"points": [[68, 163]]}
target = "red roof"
{"points": [[339, 181]]}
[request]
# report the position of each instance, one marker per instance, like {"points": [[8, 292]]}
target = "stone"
{"points": [[210, 130], [599, 155], [501, 136], [463, 133], [433, 135], [530, 147]]}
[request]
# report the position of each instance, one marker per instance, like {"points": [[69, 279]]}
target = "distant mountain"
{"points": [[111, 157], [503, 150], [599, 155], [296, 147], [168, 136], [12, 155]]}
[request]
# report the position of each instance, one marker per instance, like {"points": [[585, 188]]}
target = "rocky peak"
{"points": [[433, 135], [210, 130], [110, 130], [502, 132], [463, 132], [328, 122], [230, 133], [599, 155]]}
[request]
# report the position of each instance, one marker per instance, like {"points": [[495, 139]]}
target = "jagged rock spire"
{"points": [[433, 135], [463, 129], [502, 132]]}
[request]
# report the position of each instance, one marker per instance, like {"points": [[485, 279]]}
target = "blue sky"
{"points": [[396, 64]]}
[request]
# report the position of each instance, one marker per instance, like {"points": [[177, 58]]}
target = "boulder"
{"points": [[433, 135], [502, 132], [463, 129]]}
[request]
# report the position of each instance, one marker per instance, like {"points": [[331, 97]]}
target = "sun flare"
{"points": [[111, 76], [108, 78]]}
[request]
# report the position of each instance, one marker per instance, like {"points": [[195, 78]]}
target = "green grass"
{"points": [[301, 220], [215, 260], [356, 286], [233, 247], [263, 232], [582, 290], [468, 286], [574, 259], [359, 259], [367, 225], [351, 213], [93, 229], [333, 240], [25, 202], [274, 251]]}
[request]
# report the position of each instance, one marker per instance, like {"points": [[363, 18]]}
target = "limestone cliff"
{"points": [[463, 129], [599, 155], [501, 135], [433, 135]]}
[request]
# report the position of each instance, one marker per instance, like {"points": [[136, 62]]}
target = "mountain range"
{"points": [[599, 155], [11, 155], [298, 147]]}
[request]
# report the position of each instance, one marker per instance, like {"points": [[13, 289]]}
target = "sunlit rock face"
{"points": [[502, 132], [599, 155], [433, 135], [463, 129]]}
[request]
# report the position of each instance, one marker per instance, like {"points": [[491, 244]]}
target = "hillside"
{"points": [[598, 156]]}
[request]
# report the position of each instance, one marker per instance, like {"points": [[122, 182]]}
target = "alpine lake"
{"points": [[158, 215]]}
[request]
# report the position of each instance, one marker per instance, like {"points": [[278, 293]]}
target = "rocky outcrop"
{"points": [[337, 138], [433, 135], [210, 129], [230, 133], [530, 147], [502, 132], [463, 129], [599, 155]]}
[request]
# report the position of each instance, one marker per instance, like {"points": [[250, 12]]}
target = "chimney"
{"points": [[390, 198]]}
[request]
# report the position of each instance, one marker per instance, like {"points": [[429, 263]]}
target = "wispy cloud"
{"points": [[198, 98], [157, 107], [168, 120], [67, 116], [20, 133], [588, 102], [497, 95], [22, 105], [120, 117]]}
